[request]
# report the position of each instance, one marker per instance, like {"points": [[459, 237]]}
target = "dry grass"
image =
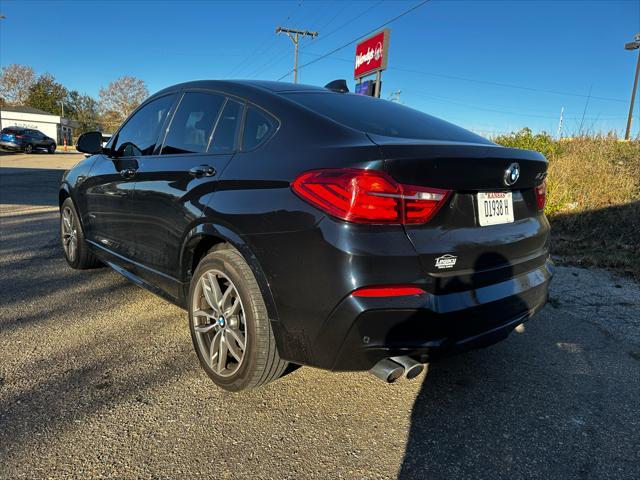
{"points": [[593, 200]]}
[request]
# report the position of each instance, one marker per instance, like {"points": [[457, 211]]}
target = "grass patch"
{"points": [[593, 198]]}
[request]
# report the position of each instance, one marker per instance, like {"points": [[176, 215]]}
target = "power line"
{"points": [[263, 47], [348, 22], [406, 12], [474, 80]]}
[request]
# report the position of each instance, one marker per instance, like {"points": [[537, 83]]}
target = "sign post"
{"points": [[371, 57]]}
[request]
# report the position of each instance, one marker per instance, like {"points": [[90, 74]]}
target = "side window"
{"points": [[226, 131], [138, 136], [258, 127], [193, 123]]}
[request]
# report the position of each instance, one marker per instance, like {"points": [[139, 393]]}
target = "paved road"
{"points": [[98, 379]]}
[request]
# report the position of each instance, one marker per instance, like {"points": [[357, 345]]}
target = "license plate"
{"points": [[495, 208]]}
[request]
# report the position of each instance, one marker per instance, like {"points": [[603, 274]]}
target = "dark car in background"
{"points": [[304, 225], [25, 140]]}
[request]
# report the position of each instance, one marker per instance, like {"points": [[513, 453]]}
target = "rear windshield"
{"points": [[381, 117]]}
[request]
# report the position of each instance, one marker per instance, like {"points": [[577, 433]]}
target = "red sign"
{"points": [[371, 54]]}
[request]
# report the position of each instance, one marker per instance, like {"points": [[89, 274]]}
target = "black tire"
{"points": [[82, 258], [260, 363], [28, 148], [51, 148]]}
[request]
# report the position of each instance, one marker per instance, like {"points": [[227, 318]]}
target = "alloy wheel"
{"points": [[69, 234], [219, 323], [28, 149]]}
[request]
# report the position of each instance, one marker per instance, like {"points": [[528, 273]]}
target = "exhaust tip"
{"points": [[414, 371], [387, 370], [411, 368]]}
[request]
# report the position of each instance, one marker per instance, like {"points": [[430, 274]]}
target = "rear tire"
{"points": [[76, 251], [229, 324], [51, 148], [28, 148]]}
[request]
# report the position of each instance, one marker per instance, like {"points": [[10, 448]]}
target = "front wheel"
{"points": [[229, 323], [51, 148], [76, 251]]}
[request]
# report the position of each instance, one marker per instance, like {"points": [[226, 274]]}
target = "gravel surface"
{"points": [[98, 379]]}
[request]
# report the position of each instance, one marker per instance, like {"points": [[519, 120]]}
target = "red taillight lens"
{"points": [[541, 195], [389, 291], [366, 196]]}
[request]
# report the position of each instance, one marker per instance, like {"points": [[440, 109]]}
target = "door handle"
{"points": [[202, 171], [128, 172]]}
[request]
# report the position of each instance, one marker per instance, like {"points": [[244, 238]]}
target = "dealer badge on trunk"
{"points": [[446, 261]]}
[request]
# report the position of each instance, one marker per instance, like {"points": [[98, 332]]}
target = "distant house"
{"points": [[52, 126]]}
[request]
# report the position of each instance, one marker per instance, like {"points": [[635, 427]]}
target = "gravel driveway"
{"points": [[98, 379]]}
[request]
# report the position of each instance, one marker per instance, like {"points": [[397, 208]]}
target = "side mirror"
{"points": [[90, 142]]}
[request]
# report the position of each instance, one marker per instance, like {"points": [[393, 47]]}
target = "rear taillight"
{"points": [[367, 196], [541, 195]]}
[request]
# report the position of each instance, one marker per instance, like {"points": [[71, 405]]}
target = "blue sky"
{"points": [[459, 60]]}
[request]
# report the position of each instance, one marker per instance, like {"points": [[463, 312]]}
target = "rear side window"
{"points": [[258, 128], [13, 130], [381, 117], [193, 123], [226, 131], [139, 135]]}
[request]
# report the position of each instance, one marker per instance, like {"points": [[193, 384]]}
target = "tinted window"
{"points": [[193, 123], [138, 136], [380, 117], [258, 127], [226, 131]]}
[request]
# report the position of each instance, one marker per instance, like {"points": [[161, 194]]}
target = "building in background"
{"points": [[53, 126]]}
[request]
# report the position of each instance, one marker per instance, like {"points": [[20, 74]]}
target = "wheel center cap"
{"points": [[222, 322]]}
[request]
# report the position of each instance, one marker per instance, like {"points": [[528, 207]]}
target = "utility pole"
{"points": [[395, 96], [560, 123], [294, 36], [633, 46], [2, 17]]}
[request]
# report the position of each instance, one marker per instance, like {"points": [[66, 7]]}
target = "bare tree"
{"points": [[122, 96], [15, 82]]}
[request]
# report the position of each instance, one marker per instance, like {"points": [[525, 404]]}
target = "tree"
{"points": [[15, 82], [84, 110], [121, 97], [48, 95]]}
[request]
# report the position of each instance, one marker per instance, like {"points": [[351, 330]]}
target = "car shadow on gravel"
{"points": [[558, 401]]}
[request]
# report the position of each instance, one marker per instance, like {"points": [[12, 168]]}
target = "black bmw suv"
{"points": [[298, 224], [26, 140]]}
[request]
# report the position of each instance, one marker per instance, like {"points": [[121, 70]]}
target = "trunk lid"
{"points": [[455, 252]]}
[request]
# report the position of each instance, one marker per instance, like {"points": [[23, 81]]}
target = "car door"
{"points": [[30, 138], [172, 188], [40, 139], [106, 194]]}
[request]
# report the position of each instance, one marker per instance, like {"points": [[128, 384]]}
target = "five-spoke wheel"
{"points": [[69, 233], [219, 323], [229, 323]]}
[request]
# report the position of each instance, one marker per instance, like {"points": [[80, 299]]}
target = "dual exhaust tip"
{"points": [[391, 369]]}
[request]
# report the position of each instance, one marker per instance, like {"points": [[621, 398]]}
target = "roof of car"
{"points": [[243, 85]]}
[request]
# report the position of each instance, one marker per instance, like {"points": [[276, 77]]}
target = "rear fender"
{"points": [[224, 234]]}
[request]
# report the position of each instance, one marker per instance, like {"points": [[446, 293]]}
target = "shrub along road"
{"points": [[98, 379]]}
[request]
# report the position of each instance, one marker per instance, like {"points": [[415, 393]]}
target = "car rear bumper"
{"points": [[362, 331], [10, 145]]}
